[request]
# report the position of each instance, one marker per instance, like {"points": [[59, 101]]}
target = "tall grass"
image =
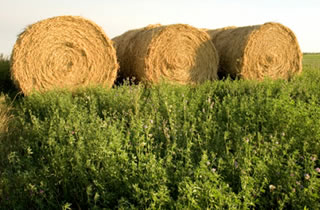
{"points": [[221, 145], [4, 115]]}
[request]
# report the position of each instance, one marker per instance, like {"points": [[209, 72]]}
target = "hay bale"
{"points": [[63, 52], [176, 53], [255, 52]]}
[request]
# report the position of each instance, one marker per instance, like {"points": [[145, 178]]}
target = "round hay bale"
{"points": [[256, 52], [63, 52], [176, 53]]}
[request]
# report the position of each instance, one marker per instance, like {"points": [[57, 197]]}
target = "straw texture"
{"points": [[63, 52], [256, 52], [4, 115], [176, 53]]}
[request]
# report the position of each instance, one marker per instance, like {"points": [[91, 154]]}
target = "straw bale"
{"points": [[176, 53], [256, 52], [63, 52]]}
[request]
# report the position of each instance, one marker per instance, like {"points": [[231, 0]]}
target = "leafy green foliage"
{"points": [[221, 145]]}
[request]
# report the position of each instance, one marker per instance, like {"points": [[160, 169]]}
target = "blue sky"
{"points": [[118, 16]]}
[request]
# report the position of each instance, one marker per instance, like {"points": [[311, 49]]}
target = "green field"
{"points": [[229, 144], [311, 60]]}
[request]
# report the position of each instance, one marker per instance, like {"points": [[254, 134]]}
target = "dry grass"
{"points": [[63, 52], [176, 53], [255, 52], [4, 115]]}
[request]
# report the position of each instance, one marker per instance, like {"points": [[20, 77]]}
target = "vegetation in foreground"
{"points": [[4, 115], [6, 87], [225, 144]]}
